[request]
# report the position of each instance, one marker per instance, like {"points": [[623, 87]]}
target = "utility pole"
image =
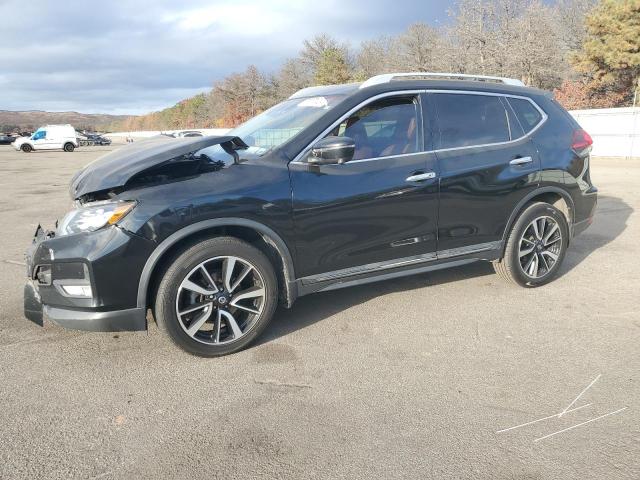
{"points": [[634, 112]]}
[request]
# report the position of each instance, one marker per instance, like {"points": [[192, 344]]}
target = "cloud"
{"points": [[135, 56]]}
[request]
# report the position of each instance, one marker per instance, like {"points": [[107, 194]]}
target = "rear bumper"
{"points": [[132, 319], [585, 211], [580, 227]]}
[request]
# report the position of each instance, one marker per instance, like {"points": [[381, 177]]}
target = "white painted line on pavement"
{"points": [[581, 393], [556, 415], [580, 424]]}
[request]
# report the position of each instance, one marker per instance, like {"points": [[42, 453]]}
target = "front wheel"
{"points": [[26, 148], [217, 296], [536, 246], [68, 147]]}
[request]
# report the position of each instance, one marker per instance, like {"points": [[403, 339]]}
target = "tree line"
{"points": [[588, 52]]}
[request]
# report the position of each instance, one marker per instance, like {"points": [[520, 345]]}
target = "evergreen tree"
{"points": [[610, 55]]}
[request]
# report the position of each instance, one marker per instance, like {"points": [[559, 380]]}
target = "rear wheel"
{"points": [[216, 297], [536, 246], [68, 147], [26, 148]]}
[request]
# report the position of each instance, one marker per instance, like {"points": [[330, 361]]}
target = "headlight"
{"points": [[93, 216]]}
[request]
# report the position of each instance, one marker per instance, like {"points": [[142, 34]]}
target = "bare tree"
{"points": [[534, 54], [473, 36], [293, 76], [418, 48], [244, 95], [571, 19], [376, 56]]}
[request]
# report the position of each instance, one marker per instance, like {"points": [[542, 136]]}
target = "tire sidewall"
{"points": [[531, 213], [165, 311], [68, 147]]}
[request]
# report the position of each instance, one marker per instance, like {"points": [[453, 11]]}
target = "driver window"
{"points": [[383, 128], [39, 135]]}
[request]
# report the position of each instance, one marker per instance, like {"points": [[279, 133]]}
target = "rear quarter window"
{"points": [[527, 114]]}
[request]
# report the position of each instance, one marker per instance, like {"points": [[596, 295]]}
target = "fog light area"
{"points": [[77, 290]]}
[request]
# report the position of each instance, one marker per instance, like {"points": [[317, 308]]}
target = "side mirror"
{"points": [[332, 150]]}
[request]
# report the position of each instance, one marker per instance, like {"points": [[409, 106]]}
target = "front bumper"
{"points": [[109, 260], [133, 319]]}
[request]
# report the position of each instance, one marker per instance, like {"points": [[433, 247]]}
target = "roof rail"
{"points": [[388, 77]]}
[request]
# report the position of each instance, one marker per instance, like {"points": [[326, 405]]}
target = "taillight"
{"points": [[581, 140]]}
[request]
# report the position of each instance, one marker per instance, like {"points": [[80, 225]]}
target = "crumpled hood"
{"points": [[116, 168]]}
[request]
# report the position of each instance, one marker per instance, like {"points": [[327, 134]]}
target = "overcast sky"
{"points": [[136, 56]]}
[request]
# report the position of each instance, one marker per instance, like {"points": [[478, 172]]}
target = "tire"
{"points": [[534, 254], [234, 315], [68, 147], [26, 148]]}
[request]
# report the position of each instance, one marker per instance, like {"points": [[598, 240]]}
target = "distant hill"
{"points": [[32, 119]]}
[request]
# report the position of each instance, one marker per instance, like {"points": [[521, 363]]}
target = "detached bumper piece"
{"points": [[133, 319], [32, 304]]}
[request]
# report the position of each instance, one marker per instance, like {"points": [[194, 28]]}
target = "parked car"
{"points": [[187, 134], [49, 137], [337, 186], [90, 139], [6, 139], [99, 139]]}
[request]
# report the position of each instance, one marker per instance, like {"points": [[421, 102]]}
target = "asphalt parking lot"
{"points": [[410, 378]]}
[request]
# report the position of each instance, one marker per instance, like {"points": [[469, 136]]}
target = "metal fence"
{"points": [[615, 131], [271, 137]]}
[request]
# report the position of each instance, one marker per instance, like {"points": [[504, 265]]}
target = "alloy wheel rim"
{"points": [[220, 300], [540, 247]]}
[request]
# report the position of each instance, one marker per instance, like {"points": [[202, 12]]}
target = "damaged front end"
{"points": [[32, 299], [85, 274], [156, 160]]}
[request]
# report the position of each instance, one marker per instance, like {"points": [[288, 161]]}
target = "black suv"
{"points": [[336, 186]]}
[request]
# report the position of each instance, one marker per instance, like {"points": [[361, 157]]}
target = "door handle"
{"points": [[521, 161], [419, 177]]}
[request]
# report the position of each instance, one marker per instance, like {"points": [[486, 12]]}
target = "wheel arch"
{"points": [[258, 234], [555, 196]]}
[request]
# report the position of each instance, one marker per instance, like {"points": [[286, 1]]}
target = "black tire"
{"points": [[68, 147], [183, 265], [511, 268], [26, 148]]}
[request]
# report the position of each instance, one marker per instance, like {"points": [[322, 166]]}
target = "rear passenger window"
{"points": [[467, 120], [527, 114]]}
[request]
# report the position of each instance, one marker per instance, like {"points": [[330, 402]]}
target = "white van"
{"points": [[49, 137]]}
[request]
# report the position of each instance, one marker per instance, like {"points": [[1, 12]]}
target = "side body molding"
{"points": [[539, 191], [267, 233]]}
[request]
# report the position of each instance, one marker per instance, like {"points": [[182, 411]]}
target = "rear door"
{"points": [[487, 166]]}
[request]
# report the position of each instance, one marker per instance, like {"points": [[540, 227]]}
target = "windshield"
{"points": [[281, 122], [275, 126]]}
